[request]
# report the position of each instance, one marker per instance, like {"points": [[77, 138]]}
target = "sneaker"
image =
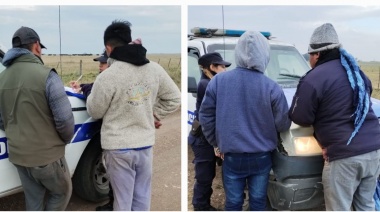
{"points": [[106, 207], [206, 208]]}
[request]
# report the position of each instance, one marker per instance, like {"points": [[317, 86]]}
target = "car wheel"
{"points": [[90, 180]]}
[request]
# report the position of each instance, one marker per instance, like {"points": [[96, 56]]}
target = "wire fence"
{"points": [[73, 66]]}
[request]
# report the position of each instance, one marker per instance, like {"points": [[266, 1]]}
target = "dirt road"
{"points": [[166, 183]]}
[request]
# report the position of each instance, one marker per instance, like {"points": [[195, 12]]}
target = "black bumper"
{"points": [[296, 183]]}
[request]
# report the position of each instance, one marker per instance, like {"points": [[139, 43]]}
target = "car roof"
{"points": [[230, 40]]}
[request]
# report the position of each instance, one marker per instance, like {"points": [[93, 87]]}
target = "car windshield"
{"points": [[1, 65], [286, 64]]}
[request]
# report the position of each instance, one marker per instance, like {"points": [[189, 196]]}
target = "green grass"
{"points": [[372, 70], [71, 66]]}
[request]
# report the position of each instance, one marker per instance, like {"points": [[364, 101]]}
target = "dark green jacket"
{"points": [[28, 121]]}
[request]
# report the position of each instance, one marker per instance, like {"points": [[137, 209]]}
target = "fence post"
{"points": [[378, 80], [158, 61], [169, 62], [80, 67], [179, 64]]}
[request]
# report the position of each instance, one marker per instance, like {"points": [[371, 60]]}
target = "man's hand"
{"points": [[157, 124], [75, 86], [324, 153], [218, 153]]}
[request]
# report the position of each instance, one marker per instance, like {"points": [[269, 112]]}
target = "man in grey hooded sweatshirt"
{"points": [[241, 113]]}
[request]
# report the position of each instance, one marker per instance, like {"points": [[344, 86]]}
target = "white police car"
{"points": [[83, 155], [296, 178]]}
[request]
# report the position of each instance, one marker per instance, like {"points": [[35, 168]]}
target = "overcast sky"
{"points": [[82, 27], [358, 27]]}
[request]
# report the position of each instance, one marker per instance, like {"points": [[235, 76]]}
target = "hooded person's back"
{"points": [[243, 109]]}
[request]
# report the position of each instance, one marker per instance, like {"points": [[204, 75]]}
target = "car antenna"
{"points": [[60, 48], [224, 42]]}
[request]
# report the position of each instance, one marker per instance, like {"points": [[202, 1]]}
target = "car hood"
{"points": [[289, 93]]}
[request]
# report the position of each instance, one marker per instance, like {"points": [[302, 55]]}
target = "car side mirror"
{"points": [[191, 85]]}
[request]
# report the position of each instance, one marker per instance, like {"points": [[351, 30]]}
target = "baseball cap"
{"points": [[212, 58], [103, 58], [25, 35]]}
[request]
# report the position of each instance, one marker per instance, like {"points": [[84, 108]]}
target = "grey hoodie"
{"points": [[252, 51], [243, 110]]}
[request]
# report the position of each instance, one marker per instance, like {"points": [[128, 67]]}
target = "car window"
{"points": [[286, 64], [1, 64], [192, 65], [226, 50]]}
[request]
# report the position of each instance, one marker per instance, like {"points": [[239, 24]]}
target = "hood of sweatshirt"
{"points": [[252, 51], [135, 54], [15, 53]]}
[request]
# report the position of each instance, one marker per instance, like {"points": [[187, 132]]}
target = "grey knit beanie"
{"points": [[323, 38]]}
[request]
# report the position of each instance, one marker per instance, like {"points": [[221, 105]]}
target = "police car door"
{"points": [[194, 75]]}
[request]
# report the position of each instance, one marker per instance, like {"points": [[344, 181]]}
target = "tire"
{"points": [[90, 180]]}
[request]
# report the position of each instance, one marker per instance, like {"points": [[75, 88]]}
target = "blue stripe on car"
{"points": [[83, 132], [3, 148], [190, 117]]}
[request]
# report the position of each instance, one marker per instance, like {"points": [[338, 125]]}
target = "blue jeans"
{"points": [[251, 169]]}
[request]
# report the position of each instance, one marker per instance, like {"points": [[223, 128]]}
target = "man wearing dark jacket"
{"points": [[37, 118], [334, 97]]}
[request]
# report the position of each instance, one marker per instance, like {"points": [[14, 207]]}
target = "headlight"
{"points": [[299, 141], [306, 146]]}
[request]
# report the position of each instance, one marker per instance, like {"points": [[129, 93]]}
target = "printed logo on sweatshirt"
{"points": [[138, 93]]}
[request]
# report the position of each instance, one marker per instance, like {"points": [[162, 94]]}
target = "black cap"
{"points": [[103, 58], [25, 35], [212, 58]]}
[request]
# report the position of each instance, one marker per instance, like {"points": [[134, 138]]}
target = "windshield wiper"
{"points": [[291, 75]]}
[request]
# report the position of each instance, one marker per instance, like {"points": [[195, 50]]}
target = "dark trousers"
{"points": [[52, 180], [110, 193], [204, 165]]}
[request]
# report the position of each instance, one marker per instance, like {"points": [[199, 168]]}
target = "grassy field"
{"points": [[71, 66], [372, 70]]}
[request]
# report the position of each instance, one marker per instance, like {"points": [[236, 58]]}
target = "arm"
{"points": [[86, 89], [100, 98], [280, 110], [202, 85], [207, 113], [168, 97], [60, 107], [304, 105]]}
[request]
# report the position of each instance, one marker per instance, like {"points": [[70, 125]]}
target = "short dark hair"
{"points": [[118, 33]]}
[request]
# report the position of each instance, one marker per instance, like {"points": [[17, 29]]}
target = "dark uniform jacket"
{"points": [[324, 99]]}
